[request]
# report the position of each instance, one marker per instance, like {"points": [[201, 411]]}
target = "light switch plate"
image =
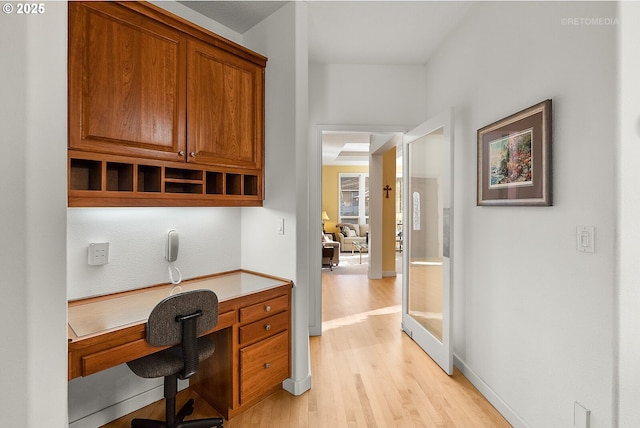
{"points": [[585, 239], [280, 226]]}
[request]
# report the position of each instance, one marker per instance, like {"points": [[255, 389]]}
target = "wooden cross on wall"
{"points": [[387, 189]]}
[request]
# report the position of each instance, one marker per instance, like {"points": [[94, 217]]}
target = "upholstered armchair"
{"points": [[327, 241]]}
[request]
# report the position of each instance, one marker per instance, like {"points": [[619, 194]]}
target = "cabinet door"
{"points": [[127, 83], [225, 103], [263, 366]]}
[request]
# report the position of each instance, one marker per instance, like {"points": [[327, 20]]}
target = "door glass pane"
{"points": [[425, 296]]}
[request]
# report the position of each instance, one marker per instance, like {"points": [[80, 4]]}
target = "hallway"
{"points": [[366, 372]]}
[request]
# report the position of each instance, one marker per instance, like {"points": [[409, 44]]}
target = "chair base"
{"points": [[185, 411], [200, 423]]}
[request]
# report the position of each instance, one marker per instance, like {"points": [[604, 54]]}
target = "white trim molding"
{"points": [[501, 406]]}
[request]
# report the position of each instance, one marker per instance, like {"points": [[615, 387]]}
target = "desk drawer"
{"points": [[95, 361], [264, 328], [263, 366], [112, 357], [264, 309]]}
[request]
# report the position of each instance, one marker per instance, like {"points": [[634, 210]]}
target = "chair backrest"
{"points": [[180, 319]]}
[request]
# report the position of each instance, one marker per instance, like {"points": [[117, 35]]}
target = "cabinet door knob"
{"points": [[267, 365], [192, 154], [181, 153], [267, 327], [267, 308]]}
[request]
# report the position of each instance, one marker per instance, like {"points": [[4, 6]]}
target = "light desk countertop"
{"points": [[98, 315]]}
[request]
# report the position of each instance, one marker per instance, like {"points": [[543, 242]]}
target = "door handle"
{"points": [[446, 232]]}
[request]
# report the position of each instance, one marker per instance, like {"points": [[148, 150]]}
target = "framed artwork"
{"points": [[514, 159]]}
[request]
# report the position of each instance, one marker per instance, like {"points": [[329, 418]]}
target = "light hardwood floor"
{"points": [[365, 371]]}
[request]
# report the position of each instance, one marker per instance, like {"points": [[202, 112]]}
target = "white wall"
{"points": [[629, 212], [361, 94], [535, 317], [33, 138], [195, 17], [209, 242], [262, 248], [282, 37]]}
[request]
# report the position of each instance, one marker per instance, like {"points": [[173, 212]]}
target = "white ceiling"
{"points": [[354, 32], [380, 32], [240, 16]]}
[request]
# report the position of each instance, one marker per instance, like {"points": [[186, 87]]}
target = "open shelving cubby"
{"points": [[85, 174], [214, 183], [250, 185], [119, 177], [110, 180], [149, 178], [180, 180]]}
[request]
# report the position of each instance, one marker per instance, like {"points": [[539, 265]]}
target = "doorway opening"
{"points": [[350, 149], [364, 227]]}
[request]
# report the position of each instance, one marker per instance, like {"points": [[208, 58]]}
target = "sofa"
{"points": [[348, 233]]}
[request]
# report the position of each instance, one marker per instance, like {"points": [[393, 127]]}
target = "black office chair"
{"points": [[178, 320]]}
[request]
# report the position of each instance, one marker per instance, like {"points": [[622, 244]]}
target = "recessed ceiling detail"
{"points": [[345, 148]]}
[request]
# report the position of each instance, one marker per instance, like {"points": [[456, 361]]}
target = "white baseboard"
{"points": [[315, 330], [120, 409], [491, 396], [124, 407], [299, 387]]}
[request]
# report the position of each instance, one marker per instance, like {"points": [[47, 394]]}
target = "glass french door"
{"points": [[427, 279]]}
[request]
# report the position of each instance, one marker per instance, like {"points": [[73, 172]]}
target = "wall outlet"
{"points": [[581, 416], [99, 254]]}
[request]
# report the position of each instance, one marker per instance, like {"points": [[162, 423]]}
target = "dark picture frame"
{"points": [[514, 159]]}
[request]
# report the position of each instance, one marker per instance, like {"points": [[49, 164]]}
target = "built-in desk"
{"points": [[253, 336]]}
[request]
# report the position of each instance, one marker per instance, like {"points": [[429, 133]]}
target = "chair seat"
{"points": [[169, 361]]}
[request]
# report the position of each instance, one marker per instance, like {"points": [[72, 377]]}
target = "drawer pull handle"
{"points": [[267, 308], [267, 327], [267, 365]]}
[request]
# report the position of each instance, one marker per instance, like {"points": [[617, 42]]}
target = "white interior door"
{"points": [[427, 233]]}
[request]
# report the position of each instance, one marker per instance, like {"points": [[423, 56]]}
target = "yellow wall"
{"points": [[330, 203], [330, 192], [389, 212]]}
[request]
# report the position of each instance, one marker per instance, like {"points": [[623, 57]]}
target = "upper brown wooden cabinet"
{"points": [[225, 117], [145, 84], [127, 80]]}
